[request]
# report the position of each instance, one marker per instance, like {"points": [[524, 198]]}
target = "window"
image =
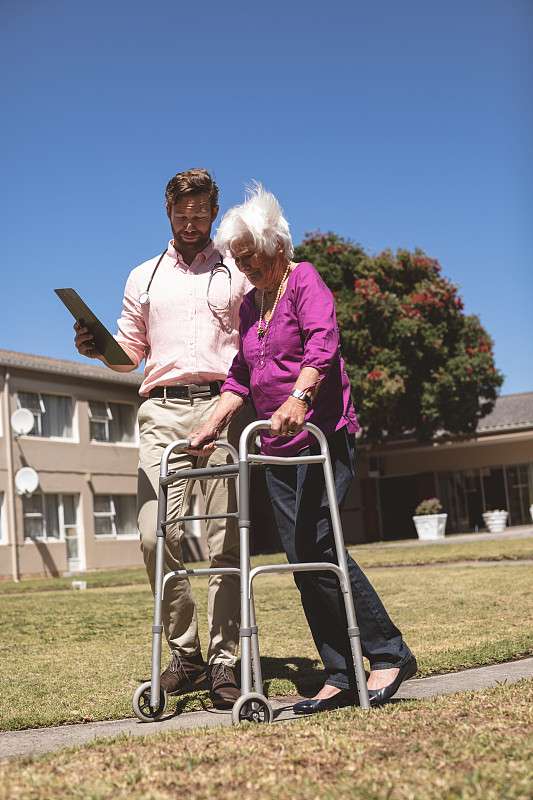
{"points": [[493, 488], [53, 414], [465, 494], [460, 495], [51, 516], [115, 515], [520, 489], [112, 422]]}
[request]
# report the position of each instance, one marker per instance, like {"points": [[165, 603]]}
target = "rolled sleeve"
{"points": [[131, 325]]}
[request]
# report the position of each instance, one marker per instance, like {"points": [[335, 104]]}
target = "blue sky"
{"points": [[396, 124]]}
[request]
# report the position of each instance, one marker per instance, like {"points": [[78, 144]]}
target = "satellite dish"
{"points": [[22, 421], [26, 480]]}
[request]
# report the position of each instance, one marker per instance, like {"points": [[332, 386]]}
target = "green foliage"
{"points": [[416, 362], [431, 506]]}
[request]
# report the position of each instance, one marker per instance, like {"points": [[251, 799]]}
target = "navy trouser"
{"points": [[301, 508]]}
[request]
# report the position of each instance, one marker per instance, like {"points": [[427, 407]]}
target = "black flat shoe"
{"points": [[379, 696], [346, 697]]}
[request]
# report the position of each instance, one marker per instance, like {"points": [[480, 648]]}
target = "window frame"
{"points": [[37, 430], [112, 516], [58, 511], [109, 418], [457, 498]]}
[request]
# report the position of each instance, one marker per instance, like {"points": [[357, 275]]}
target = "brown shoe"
{"points": [[223, 689], [183, 673]]}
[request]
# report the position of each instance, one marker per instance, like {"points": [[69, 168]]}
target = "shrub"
{"points": [[431, 506]]}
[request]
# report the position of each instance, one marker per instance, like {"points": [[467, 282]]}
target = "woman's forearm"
{"points": [[226, 409], [308, 380]]}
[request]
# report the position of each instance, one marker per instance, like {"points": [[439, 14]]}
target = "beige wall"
{"points": [[412, 459], [489, 451]]}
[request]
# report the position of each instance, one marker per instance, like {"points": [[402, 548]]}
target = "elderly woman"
{"points": [[290, 366]]}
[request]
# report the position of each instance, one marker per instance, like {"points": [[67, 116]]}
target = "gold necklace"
{"points": [[262, 327]]}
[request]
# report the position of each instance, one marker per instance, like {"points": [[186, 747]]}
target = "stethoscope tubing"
{"points": [[144, 297]]}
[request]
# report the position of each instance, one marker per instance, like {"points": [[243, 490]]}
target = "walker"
{"points": [[150, 701]]}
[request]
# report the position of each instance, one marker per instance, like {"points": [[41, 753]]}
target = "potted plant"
{"points": [[495, 520], [430, 524]]}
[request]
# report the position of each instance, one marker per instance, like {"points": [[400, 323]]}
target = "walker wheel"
{"points": [[252, 707], [141, 704]]}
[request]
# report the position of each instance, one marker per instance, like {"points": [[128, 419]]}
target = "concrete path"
{"points": [[447, 564], [15, 744], [520, 532]]}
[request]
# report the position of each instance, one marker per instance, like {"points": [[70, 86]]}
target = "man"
{"points": [[181, 315]]}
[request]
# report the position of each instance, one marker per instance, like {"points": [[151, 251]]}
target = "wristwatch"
{"points": [[301, 394]]}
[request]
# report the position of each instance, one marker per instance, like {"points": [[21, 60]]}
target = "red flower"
{"points": [[374, 375]]}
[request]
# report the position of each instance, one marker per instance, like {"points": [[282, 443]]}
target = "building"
{"points": [[83, 447], [491, 470]]}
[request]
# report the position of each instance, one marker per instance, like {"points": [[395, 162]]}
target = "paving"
{"points": [[38, 741], [519, 532], [35, 742]]}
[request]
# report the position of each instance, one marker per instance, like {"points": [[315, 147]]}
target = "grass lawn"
{"points": [[77, 656], [463, 747], [409, 554]]}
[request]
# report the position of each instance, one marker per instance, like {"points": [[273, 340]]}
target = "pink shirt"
{"points": [[180, 337], [302, 332]]}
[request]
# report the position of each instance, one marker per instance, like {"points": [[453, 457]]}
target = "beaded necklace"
{"points": [[262, 327]]}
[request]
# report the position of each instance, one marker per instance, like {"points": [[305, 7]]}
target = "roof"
{"points": [[58, 367], [510, 412]]}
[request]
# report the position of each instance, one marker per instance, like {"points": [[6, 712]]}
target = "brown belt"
{"points": [[191, 390]]}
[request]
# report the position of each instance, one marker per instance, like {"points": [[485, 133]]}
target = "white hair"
{"points": [[261, 217]]}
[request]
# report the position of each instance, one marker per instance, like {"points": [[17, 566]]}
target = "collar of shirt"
{"points": [[205, 255]]}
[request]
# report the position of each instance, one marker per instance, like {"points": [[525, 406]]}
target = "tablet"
{"points": [[104, 342]]}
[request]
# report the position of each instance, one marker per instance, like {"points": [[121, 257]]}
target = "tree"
{"points": [[416, 362]]}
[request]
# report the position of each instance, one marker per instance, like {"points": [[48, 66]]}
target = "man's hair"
{"points": [[261, 217], [194, 181]]}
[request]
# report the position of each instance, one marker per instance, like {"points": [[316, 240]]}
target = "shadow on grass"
{"points": [[303, 675], [306, 674]]}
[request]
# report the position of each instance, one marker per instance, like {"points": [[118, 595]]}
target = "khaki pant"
{"points": [[160, 424]]}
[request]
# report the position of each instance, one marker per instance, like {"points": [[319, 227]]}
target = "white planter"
{"points": [[495, 521], [430, 526]]}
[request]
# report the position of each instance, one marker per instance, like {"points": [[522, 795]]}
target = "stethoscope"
{"points": [[216, 269]]}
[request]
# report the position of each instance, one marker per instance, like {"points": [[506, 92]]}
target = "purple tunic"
{"points": [[302, 332]]}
